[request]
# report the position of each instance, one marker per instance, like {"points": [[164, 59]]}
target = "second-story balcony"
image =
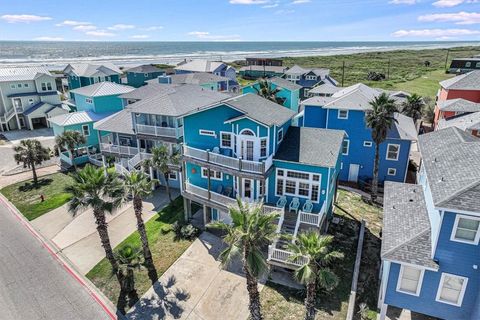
{"points": [[156, 131], [119, 150], [232, 163]]}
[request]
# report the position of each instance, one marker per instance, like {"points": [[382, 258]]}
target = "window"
{"points": [[367, 143], [85, 130], [410, 280], [451, 289], [44, 86], [263, 147], [391, 171], [477, 65], [88, 100], [466, 229], [393, 151], [310, 77], [342, 114], [297, 183], [19, 85], [25, 85], [80, 152], [345, 147], [145, 75], [214, 175], [12, 86], [226, 141], [280, 135], [468, 64], [49, 86], [172, 175], [209, 133]]}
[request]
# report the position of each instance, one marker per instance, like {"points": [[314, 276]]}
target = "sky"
{"points": [[240, 20]]}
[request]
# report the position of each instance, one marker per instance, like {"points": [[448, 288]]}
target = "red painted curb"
{"points": [[69, 270]]}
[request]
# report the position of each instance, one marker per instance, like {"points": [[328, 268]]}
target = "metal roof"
{"points": [[145, 68], [101, 89], [77, 118], [90, 69], [22, 73], [199, 65]]}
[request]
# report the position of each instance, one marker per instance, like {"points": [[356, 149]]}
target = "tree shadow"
{"points": [[28, 186], [126, 300], [152, 271]]}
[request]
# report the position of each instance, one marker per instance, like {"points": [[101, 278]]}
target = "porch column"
{"points": [[240, 187], [383, 311], [208, 182], [30, 123], [18, 121], [186, 209], [151, 177], [104, 164], [138, 145], [204, 216]]}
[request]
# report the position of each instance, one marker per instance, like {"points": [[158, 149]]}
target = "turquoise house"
{"points": [[137, 76], [100, 97], [288, 94], [203, 79]]}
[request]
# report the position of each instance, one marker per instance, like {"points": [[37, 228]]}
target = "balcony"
{"points": [[237, 164], [120, 150], [167, 132]]}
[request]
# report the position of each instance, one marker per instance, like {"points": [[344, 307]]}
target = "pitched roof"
{"points": [[403, 129], [176, 100], [22, 73], [260, 109], [458, 105], [199, 66], [297, 70], [276, 69], [35, 107], [101, 89], [27, 94], [325, 88], [469, 121], [195, 78], [77, 118], [450, 158], [151, 89], [467, 81], [285, 83], [120, 122], [406, 226], [90, 69], [145, 68], [311, 146]]}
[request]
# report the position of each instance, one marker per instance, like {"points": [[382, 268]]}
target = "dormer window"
{"points": [[310, 77]]}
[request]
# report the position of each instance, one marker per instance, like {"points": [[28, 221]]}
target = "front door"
{"points": [[353, 172], [247, 149], [247, 190]]}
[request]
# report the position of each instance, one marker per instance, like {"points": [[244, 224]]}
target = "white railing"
{"points": [[112, 148], [158, 131], [221, 199], [283, 256], [313, 219], [19, 109], [217, 158], [201, 192], [8, 114], [121, 170], [139, 157], [269, 209], [95, 159], [195, 153]]}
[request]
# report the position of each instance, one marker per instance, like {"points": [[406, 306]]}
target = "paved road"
{"points": [[33, 285]]}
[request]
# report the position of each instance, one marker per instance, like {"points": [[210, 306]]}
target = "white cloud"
{"points": [[451, 3], [435, 33], [85, 28], [409, 2], [121, 27], [204, 35], [23, 18], [273, 5], [100, 33], [72, 23], [458, 18], [284, 11], [300, 1], [48, 38], [140, 36], [249, 1], [153, 28]]}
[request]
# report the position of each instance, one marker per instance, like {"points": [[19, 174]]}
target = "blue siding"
{"points": [[99, 104], [292, 98], [136, 79]]}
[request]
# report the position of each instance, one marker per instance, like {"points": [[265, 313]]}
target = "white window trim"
{"points": [[462, 293], [340, 117], [209, 133], [348, 147], [83, 130], [214, 176], [398, 152], [176, 176], [419, 284], [392, 174], [367, 143], [266, 147], [280, 140], [89, 100], [454, 229], [231, 140], [310, 181]]}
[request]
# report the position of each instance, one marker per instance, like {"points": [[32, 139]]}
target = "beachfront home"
{"points": [[262, 61], [464, 65], [93, 103], [323, 90], [261, 71], [28, 97], [245, 147], [431, 231], [288, 93], [137, 76], [458, 95], [85, 74], [153, 116], [203, 79], [345, 110], [308, 78], [215, 67]]}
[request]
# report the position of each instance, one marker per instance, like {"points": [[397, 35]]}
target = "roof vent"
{"points": [[435, 159], [442, 179], [393, 207], [410, 200]]}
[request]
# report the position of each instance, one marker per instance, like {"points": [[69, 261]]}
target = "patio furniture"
{"points": [[228, 191], [216, 150], [294, 205], [282, 202], [308, 206], [220, 189]]}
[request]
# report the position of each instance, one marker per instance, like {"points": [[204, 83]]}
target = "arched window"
{"points": [[247, 132]]}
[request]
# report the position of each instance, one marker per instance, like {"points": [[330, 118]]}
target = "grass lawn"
{"points": [[26, 196], [280, 302], [165, 250]]}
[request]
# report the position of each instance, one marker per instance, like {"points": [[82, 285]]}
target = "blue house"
{"points": [[308, 78], [214, 67], [85, 74], [202, 79], [93, 103], [431, 231], [288, 92], [137, 76], [345, 110], [244, 147]]}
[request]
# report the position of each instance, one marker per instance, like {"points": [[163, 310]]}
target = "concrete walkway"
{"points": [[8, 180], [77, 238], [195, 287]]}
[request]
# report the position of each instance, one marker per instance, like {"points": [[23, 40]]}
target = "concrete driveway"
{"points": [[77, 238], [195, 287]]}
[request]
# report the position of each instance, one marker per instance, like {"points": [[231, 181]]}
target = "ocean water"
{"points": [[58, 54]]}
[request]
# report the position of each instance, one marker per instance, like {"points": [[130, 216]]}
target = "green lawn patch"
{"points": [[26, 196], [166, 249]]}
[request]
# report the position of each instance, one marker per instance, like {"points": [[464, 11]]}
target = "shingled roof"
{"points": [[467, 81], [469, 121], [120, 122], [145, 68], [459, 105]]}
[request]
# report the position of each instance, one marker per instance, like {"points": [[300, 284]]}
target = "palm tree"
{"points": [[129, 259], [138, 186], [250, 231], [314, 251], [162, 160], [102, 193], [70, 140], [413, 107], [31, 153], [266, 91], [380, 119]]}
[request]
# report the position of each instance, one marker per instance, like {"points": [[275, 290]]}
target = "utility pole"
{"points": [[388, 70], [343, 72], [446, 59]]}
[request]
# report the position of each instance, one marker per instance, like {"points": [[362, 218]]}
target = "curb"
{"points": [[99, 298]]}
